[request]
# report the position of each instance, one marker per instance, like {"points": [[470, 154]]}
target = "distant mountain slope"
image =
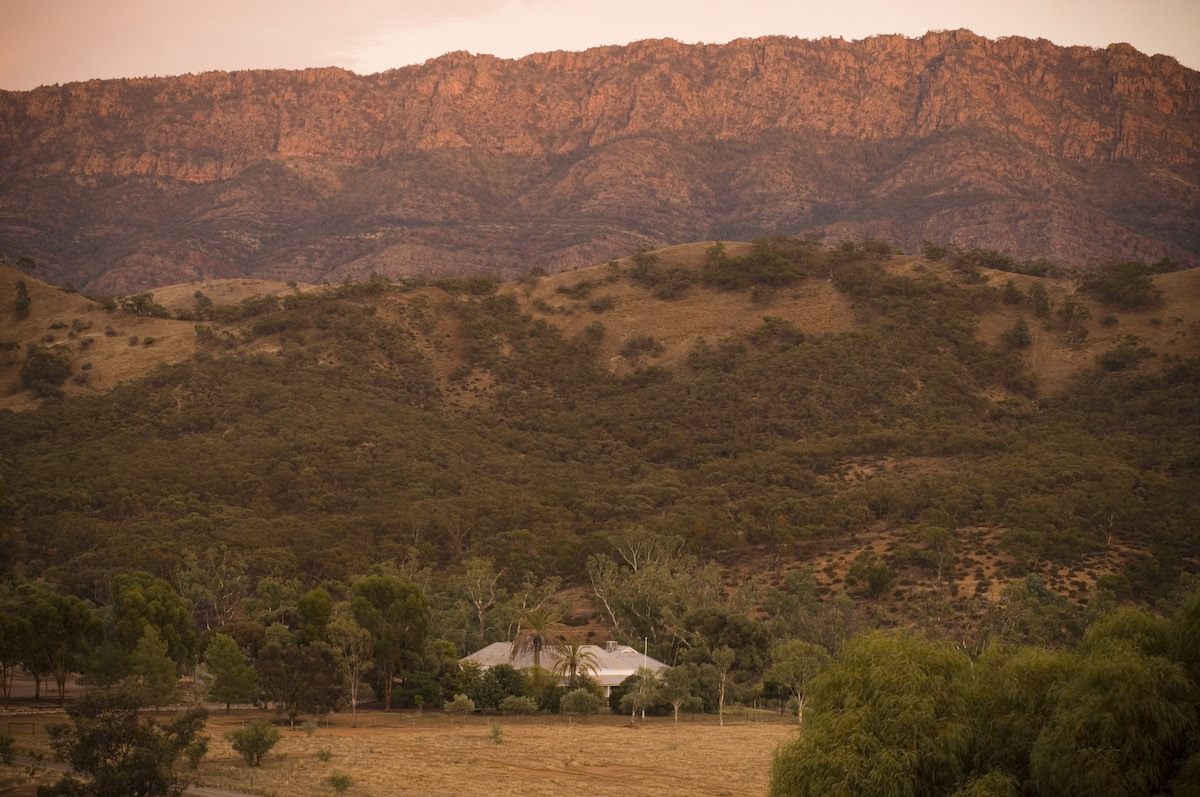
{"points": [[470, 164]]}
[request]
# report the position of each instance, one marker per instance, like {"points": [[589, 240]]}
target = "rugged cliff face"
{"points": [[472, 163]]}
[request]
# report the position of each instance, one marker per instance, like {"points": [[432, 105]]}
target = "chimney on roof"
{"points": [[610, 646]]}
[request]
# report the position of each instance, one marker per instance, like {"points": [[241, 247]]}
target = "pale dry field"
{"points": [[551, 756], [406, 754]]}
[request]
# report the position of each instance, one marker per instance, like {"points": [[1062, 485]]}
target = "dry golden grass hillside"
{"points": [[107, 348]]}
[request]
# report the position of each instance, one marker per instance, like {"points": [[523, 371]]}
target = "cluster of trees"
{"points": [[302, 652], [774, 261], [969, 261], [1022, 714], [383, 635], [903, 714]]}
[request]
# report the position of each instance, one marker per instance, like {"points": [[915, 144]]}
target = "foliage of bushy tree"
{"points": [[461, 706], [119, 754], [580, 702], [897, 714], [140, 600], [1124, 718], [396, 614], [45, 369], [889, 718], [302, 679], [1124, 284], [231, 679], [518, 705], [253, 740]]}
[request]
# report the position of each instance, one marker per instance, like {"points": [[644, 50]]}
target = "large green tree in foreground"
{"points": [[112, 752], [890, 719], [901, 715]]}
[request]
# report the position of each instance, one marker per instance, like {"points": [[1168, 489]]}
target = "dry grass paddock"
{"points": [[406, 754]]}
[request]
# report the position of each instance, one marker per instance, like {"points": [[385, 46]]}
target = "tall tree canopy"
{"points": [[396, 614]]}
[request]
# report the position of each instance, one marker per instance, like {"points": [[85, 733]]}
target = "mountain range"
{"points": [[472, 164]]}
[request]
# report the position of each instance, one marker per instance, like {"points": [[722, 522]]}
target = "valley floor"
{"points": [[407, 754]]}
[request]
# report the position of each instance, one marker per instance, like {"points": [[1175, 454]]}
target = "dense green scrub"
{"points": [[335, 453]]}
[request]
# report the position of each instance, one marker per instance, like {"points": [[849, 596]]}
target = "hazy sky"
{"points": [[58, 41]]}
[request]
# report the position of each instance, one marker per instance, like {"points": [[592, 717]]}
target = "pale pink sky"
{"points": [[58, 41]]}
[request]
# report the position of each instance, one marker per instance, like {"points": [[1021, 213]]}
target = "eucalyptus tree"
{"points": [[396, 614], [65, 631], [796, 665], [15, 633], [306, 679], [679, 685], [644, 691], [140, 599], [355, 645], [479, 583], [722, 658]]}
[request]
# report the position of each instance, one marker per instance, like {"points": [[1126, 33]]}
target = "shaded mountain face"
{"points": [[470, 164]]}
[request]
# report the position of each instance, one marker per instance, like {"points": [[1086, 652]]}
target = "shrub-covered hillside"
{"points": [[774, 420]]}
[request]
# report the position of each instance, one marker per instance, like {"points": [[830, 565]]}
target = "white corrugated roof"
{"points": [[612, 666]]}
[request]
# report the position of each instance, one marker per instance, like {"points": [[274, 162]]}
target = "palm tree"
{"points": [[537, 630], [576, 660]]}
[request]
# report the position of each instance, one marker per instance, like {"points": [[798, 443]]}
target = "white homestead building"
{"points": [[614, 662]]}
